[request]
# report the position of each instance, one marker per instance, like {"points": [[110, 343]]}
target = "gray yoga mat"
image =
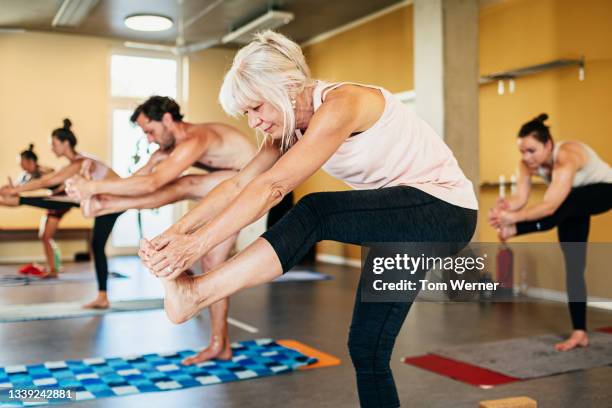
{"points": [[49, 311], [533, 357], [72, 277]]}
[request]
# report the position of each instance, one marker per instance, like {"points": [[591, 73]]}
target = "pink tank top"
{"points": [[400, 149]]}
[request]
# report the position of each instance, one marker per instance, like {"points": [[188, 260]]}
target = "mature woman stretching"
{"points": [[579, 185], [408, 188]]}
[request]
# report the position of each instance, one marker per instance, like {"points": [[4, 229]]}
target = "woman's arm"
{"points": [[49, 180], [523, 187], [164, 172], [342, 113], [563, 173], [219, 197]]}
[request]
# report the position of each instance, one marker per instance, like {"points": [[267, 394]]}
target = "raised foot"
{"points": [[506, 232], [180, 300], [90, 207]]}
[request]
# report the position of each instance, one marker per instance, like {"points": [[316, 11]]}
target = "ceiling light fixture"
{"points": [[270, 21], [148, 22], [73, 12]]}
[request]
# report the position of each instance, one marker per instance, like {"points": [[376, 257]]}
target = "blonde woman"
{"points": [[408, 188]]}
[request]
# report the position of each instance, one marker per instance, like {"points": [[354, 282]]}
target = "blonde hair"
{"points": [[271, 68]]}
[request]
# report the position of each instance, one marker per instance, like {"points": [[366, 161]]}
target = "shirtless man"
{"points": [[218, 148]]}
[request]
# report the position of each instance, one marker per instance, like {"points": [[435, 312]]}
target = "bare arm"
{"points": [[338, 117], [51, 179], [183, 156], [563, 174], [148, 168], [215, 201], [523, 187]]}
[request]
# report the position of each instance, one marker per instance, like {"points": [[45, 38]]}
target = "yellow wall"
{"points": [[45, 77], [525, 32], [206, 71], [513, 34], [519, 33]]}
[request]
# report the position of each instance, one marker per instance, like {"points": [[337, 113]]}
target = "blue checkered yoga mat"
{"points": [[108, 377]]}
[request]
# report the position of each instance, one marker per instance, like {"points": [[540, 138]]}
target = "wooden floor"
{"points": [[314, 313]]}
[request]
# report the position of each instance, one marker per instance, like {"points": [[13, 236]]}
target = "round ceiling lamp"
{"points": [[148, 22]]}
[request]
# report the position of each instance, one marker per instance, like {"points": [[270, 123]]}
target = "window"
{"points": [[141, 77], [134, 79]]}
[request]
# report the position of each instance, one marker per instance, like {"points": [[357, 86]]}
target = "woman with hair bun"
{"points": [[28, 161], [579, 186], [63, 144], [32, 170]]}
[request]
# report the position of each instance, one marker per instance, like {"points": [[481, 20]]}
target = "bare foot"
{"points": [[578, 338], [219, 348], [52, 274], [101, 302], [91, 206], [77, 186], [180, 300], [505, 232]]}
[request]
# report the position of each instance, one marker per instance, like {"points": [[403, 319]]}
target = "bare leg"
{"points": [[186, 296], [9, 200], [46, 237], [184, 188], [219, 346]]}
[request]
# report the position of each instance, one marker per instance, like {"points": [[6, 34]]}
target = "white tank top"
{"points": [[594, 171], [400, 149]]}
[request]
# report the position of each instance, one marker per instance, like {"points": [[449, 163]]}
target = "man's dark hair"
{"points": [[155, 107]]}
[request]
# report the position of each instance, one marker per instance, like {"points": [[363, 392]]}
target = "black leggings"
{"points": [[572, 220], [279, 210], [102, 228], [42, 202], [394, 214]]}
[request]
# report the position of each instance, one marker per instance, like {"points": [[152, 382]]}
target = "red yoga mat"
{"points": [[457, 370]]}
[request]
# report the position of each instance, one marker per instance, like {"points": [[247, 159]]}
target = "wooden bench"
{"points": [[31, 234]]}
